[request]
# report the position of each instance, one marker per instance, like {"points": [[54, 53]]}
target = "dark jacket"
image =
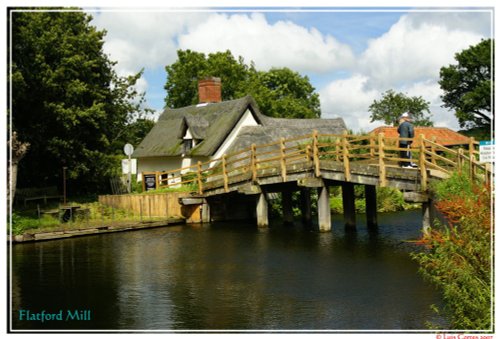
{"points": [[405, 130]]}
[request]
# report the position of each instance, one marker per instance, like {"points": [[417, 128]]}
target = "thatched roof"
{"points": [[210, 124], [276, 128]]}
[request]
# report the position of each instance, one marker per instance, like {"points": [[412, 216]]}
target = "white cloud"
{"points": [[349, 99], [414, 50], [142, 39], [283, 44], [406, 59]]}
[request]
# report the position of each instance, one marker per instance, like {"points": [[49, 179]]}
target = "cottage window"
{"points": [[188, 145]]}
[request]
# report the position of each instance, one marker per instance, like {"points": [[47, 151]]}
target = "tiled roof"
{"points": [[443, 135]]}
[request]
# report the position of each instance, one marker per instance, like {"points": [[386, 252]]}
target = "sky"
{"points": [[351, 56]]}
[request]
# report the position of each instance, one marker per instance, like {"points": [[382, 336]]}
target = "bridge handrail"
{"points": [[314, 147]]}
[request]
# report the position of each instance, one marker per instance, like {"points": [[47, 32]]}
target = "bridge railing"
{"points": [[308, 151]]}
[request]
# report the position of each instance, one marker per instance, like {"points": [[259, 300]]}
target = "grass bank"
{"points": [[457, 257], [89, 214]]}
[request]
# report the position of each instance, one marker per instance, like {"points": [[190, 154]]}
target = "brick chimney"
{"points": [[209, 90]]}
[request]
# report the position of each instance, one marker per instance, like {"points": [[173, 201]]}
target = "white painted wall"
{"points": [[162, 164], [246, 120]]}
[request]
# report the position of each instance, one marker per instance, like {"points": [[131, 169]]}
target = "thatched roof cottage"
{"points": [[183, 136]]}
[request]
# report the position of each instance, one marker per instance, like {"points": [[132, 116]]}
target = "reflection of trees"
{"points": [[70, 274], [225, 276]]}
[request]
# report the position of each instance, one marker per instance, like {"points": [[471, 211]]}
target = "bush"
{"points": [[458, 255], [391, 200]]}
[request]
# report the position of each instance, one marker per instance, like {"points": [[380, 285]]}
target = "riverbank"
{"points": [[65, 231]]}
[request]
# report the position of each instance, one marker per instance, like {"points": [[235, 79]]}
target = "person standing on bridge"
{"points": [[406, 131]]}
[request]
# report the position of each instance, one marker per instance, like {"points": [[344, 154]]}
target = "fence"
{"points": [[150, 205], [311, 150]]}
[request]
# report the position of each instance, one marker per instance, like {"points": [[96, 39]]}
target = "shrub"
{"points": [[458, 255]]}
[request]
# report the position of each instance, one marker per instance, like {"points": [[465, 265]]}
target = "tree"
{"points": [[67, 101], [279, 92], [467, 86], [282, 92], [393, 104]]}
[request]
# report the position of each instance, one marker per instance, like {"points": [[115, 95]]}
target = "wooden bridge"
{"points": [[318, 161]]}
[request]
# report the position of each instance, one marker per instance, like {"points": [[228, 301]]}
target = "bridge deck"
{"points": [[361, 159], [362, 172]]}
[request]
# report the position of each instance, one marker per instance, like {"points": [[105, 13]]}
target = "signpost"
{"points": [[129, 149]]}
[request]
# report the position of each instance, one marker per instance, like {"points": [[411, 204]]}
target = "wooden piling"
{"points": [[324, 215], [371, 206], [262, 211], [349, 205]]}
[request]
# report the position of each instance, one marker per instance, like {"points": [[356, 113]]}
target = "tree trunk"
{"points": [[18, 151]]}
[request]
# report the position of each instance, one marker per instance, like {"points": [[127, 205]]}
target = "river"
{"points": [[226, 276]]}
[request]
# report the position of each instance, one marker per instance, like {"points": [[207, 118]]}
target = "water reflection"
{"points": [[229, 276]]}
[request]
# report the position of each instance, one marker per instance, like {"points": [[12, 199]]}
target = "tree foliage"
{"points": [[283, 93], [392, 105], [279, 92], [67, 101], [468, 85]]}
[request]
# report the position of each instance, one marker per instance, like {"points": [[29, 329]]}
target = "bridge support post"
{"points": [[349, 205], [205, 212], [324, 215], [305, 205], [286, 200], [371, 206], [426, 216], [262, 211]]}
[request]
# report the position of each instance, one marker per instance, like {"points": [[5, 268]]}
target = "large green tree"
{"points": [[67, 101], [283, 93], [279, 92], [468, 86], [392, 105]]}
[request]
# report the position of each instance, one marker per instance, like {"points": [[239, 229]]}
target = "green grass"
{"points": [[27, 220]]}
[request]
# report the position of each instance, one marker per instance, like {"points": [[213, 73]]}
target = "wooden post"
{"points": [[224, 174], [324, 215], [460, 159], [422, 166], [345, 156], [157, 179], [317, 170], [372, 145], [472, 158], [308, 156], [283, 159], [337, 149], [253, 162], [371, 206], [200, 182], [433, 150], [348, 204], [305, 202], [426, 217], [262, 214], [381, 162]]}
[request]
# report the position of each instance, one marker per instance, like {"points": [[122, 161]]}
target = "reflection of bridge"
{"points": [[225, 186]]}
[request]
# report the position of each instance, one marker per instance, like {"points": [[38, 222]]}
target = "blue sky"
{"points": [[351, 56]]}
